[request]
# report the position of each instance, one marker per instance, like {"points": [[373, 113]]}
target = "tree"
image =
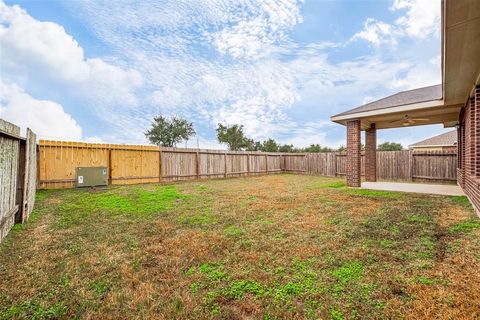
{"points": [[286, 148], [317, 148], [344, 149], [270, 145], [233, 137], [167, 132], [255, 146], [390, 146]]}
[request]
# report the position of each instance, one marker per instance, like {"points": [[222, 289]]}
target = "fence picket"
{"points": [[139, 164]]}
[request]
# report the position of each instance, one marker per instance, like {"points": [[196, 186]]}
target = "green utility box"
{"points": [[91, 176]]}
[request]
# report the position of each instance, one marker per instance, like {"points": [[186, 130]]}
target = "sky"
{"points": [[99, 71]]}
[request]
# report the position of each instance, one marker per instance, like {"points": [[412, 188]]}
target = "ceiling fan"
{"points": [[407, 121]]}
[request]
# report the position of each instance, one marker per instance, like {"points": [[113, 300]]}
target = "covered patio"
{"points": [[454, 103], [440, 189], [421, 106]]}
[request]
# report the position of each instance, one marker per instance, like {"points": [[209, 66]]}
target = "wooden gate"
{"points": [[18, 174]]}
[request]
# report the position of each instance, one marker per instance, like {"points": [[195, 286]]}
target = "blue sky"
{"points": [[99, 71]]}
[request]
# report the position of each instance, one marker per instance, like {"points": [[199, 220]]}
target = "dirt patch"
{"points": [[271, 247]]}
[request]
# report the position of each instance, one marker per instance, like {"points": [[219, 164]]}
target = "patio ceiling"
{"points": [[446, 115], [460, 69], [461, 49]]}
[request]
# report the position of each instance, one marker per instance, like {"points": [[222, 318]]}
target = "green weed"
{"points": [[374, 193], [349, 271], [237, 289], [461, 200], [233, 231], [465, 226]]}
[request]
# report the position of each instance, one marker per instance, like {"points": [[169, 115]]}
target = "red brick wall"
{"points": [[477, 131], [469, 149], [371, 153], [353, 153]]}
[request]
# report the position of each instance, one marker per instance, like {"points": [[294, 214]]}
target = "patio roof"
{"points": [[415, 96], [439, 103]]}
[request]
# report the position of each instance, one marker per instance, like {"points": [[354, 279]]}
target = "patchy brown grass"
{"points": [[267, 247]]}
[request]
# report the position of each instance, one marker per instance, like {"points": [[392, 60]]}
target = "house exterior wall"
{"points": [[469, 149]]}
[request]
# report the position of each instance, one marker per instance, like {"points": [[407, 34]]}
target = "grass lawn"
{"points": [[271, 247]]}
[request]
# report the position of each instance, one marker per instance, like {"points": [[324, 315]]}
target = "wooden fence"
{"points": [[129, 164], [18, 175]]}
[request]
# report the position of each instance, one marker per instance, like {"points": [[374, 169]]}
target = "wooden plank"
{"points": [[137, 164], [159, 164], [11, 175], [197, 162], [135, 177], [8, 216], [109, 166], [22, 182], [225, 163]]}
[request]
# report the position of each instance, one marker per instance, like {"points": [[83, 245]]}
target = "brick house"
{"points": [[446, 142], [454, 103]]}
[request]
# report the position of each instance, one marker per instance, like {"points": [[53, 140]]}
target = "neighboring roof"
{"points": [[442, 140], [400, 99]]}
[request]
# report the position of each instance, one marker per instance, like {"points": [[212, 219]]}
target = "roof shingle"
{"points": [[444, 139], [400, 99]]}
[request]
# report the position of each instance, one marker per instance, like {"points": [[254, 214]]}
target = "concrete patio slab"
{"points": [[442, 189]]}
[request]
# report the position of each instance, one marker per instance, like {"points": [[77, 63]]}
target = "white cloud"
{"points": [[46, 118], [209, 61], [420, 75], [260, 93], [36, 51], [422, 17], [377, 32], [257, 36], [259, 118]]}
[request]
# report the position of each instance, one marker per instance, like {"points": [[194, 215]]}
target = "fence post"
{"points": [[248, 163], [307, 161], [335, 159], [266, 163], [225, 162], [109, 165], [159, 164], [197, 158], [22, 165], [411, 163]]}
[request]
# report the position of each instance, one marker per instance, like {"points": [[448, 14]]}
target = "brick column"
{"points": [[371, 153], [353, 154]]}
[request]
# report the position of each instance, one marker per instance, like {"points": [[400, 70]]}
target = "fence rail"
{"points": [[130, 164], [18, 170]]}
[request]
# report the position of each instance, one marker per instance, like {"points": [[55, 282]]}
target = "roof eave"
{"points": [[433, 145], [343, 118]]}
